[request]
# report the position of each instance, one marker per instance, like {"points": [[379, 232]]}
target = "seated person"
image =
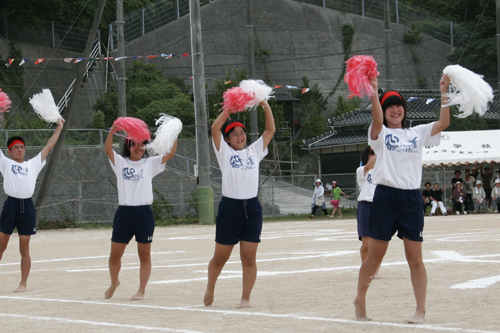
{"points": [[495, 195], [459, 198], [436, 200], [479, 197], [426, 196]]}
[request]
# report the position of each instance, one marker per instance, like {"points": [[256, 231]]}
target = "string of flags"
{"points": [[38, 61], [304, 90], [428, 101]]}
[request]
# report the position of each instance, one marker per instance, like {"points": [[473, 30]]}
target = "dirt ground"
{"points": [[307, 281]]}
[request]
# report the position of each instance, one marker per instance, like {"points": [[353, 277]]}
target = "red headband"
{"points": [[15, 142], [232, 125], [389, 94]]}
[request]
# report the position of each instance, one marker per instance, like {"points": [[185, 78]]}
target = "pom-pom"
{"points": [[4, 102], [469, 90], [359, 71], [236, 100], [247, 95], [165, 136], [135, 129], [44, 105]]}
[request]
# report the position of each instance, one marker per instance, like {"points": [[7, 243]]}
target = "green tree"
{"points": [[346, 105], [471, 123], [148, 95]]}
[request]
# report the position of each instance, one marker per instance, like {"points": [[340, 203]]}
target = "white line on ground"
{"points": [[259, 314], [478, 283]]}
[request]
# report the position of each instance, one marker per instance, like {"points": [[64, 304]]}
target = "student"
{"points": [[240, 214], [426, 196], [19, 180], [486, 176], [134, 180], [336, 192], [397, 202], [365, 198], [436, 200]]}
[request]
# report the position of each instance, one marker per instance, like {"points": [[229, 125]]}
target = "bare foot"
{"points": [[111, 290], [137, 297], [209, 297], [21, 288], [418, 318], [360, 311], [244, 304]]}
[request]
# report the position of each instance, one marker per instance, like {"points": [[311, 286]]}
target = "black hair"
{"points": [[393, 100], [14, 138], [129, 143], [457, 171], [428, 183], [226, 124], [487, 168], [467, 170], [365, 154]]}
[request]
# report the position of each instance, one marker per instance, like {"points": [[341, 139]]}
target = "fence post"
{"points": [[324, 3], [362, 7], [272, 195], [6, 135], [451, 33], [177, 11], [112, 47], [80, 199], [99, 41], [181, 197], [53, 35], [143, 23], [397, 12], [100, 137]]}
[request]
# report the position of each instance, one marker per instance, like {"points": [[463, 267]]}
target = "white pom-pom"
{"points": [[44, 105], [165, 136], [468, 90], [258, 89]]}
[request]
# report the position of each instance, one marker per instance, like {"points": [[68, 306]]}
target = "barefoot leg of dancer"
{"points": [[367, 271], [248, 254], [24, 249], [221, 255], [413, 251], [144, 251], [115, 264]]}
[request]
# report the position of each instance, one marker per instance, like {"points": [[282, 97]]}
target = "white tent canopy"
{"points": [[464, 147]]}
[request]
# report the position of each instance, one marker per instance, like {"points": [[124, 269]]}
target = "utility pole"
{"points": [[120, 74], [56, 153], [254, 128], [387, 30], [205, 192], [498, 55]]}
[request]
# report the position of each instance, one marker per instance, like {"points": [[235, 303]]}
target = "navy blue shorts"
{"points": [[398, 210], [20, 214], [133, 220], [363, 214], [238, 220]]}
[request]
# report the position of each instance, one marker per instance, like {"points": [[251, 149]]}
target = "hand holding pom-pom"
{"points": [[247, 95], [360, 71], [135, 129], [166, 135], [44, 105]]}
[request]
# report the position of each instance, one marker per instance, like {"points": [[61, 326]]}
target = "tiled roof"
{"points": [[337, 137]]}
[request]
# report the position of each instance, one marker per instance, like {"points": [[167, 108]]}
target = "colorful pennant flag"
{"points": [[291, 87], [305, 90], [277, 87], [9, 62], [23, 62], [411, 99], [429, 100]]}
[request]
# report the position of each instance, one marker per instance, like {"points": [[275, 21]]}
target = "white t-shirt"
{"points": [[399, 155], [19, 179], [366, 186], [240, 169], [134, 179]]}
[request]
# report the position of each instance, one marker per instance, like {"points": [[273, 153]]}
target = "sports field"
{"points": [[307, 281]]}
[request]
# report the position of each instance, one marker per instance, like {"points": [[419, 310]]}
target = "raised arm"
{"points": [[370, 165], [53, 139], [444, 115], [377, 113], [270, 126], [108, 145], [216, 127], [171, 154]]}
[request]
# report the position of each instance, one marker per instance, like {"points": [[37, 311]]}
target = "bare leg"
{"points": [[340, 213], [248, 254], [365, 245], [115, 264], [221, 255], [144, 251], [376, 252], [24, 249], [333, 211], [4, 240], [413, 251]]}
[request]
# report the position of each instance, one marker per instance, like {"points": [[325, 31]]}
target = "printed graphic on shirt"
{"points": [[237, 163], [130, 174], [19, 171], [392, 143], [369, 178]]}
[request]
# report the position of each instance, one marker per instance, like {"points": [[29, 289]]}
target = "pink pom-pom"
{"points": [[135, 129], [4, 102], [236, 99], [360, 70]]}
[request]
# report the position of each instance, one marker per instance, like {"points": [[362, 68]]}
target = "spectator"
{"points": [[469, 184], [459, 198], [456, 179], [426, 196], [436, 199], [479, 197], [495, 195], [486, 176], [318, 198], [474, 173], [336, 192]]}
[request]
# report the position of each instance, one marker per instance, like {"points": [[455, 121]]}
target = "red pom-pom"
{"points": [[236, 99], [135, 129], [360, 70], [4, 102]]}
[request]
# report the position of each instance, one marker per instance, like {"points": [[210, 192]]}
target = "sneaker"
{"points": [[445, 214], [495, 211], [458, 213], [432, 214], [465, 213], [311, 216]]}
